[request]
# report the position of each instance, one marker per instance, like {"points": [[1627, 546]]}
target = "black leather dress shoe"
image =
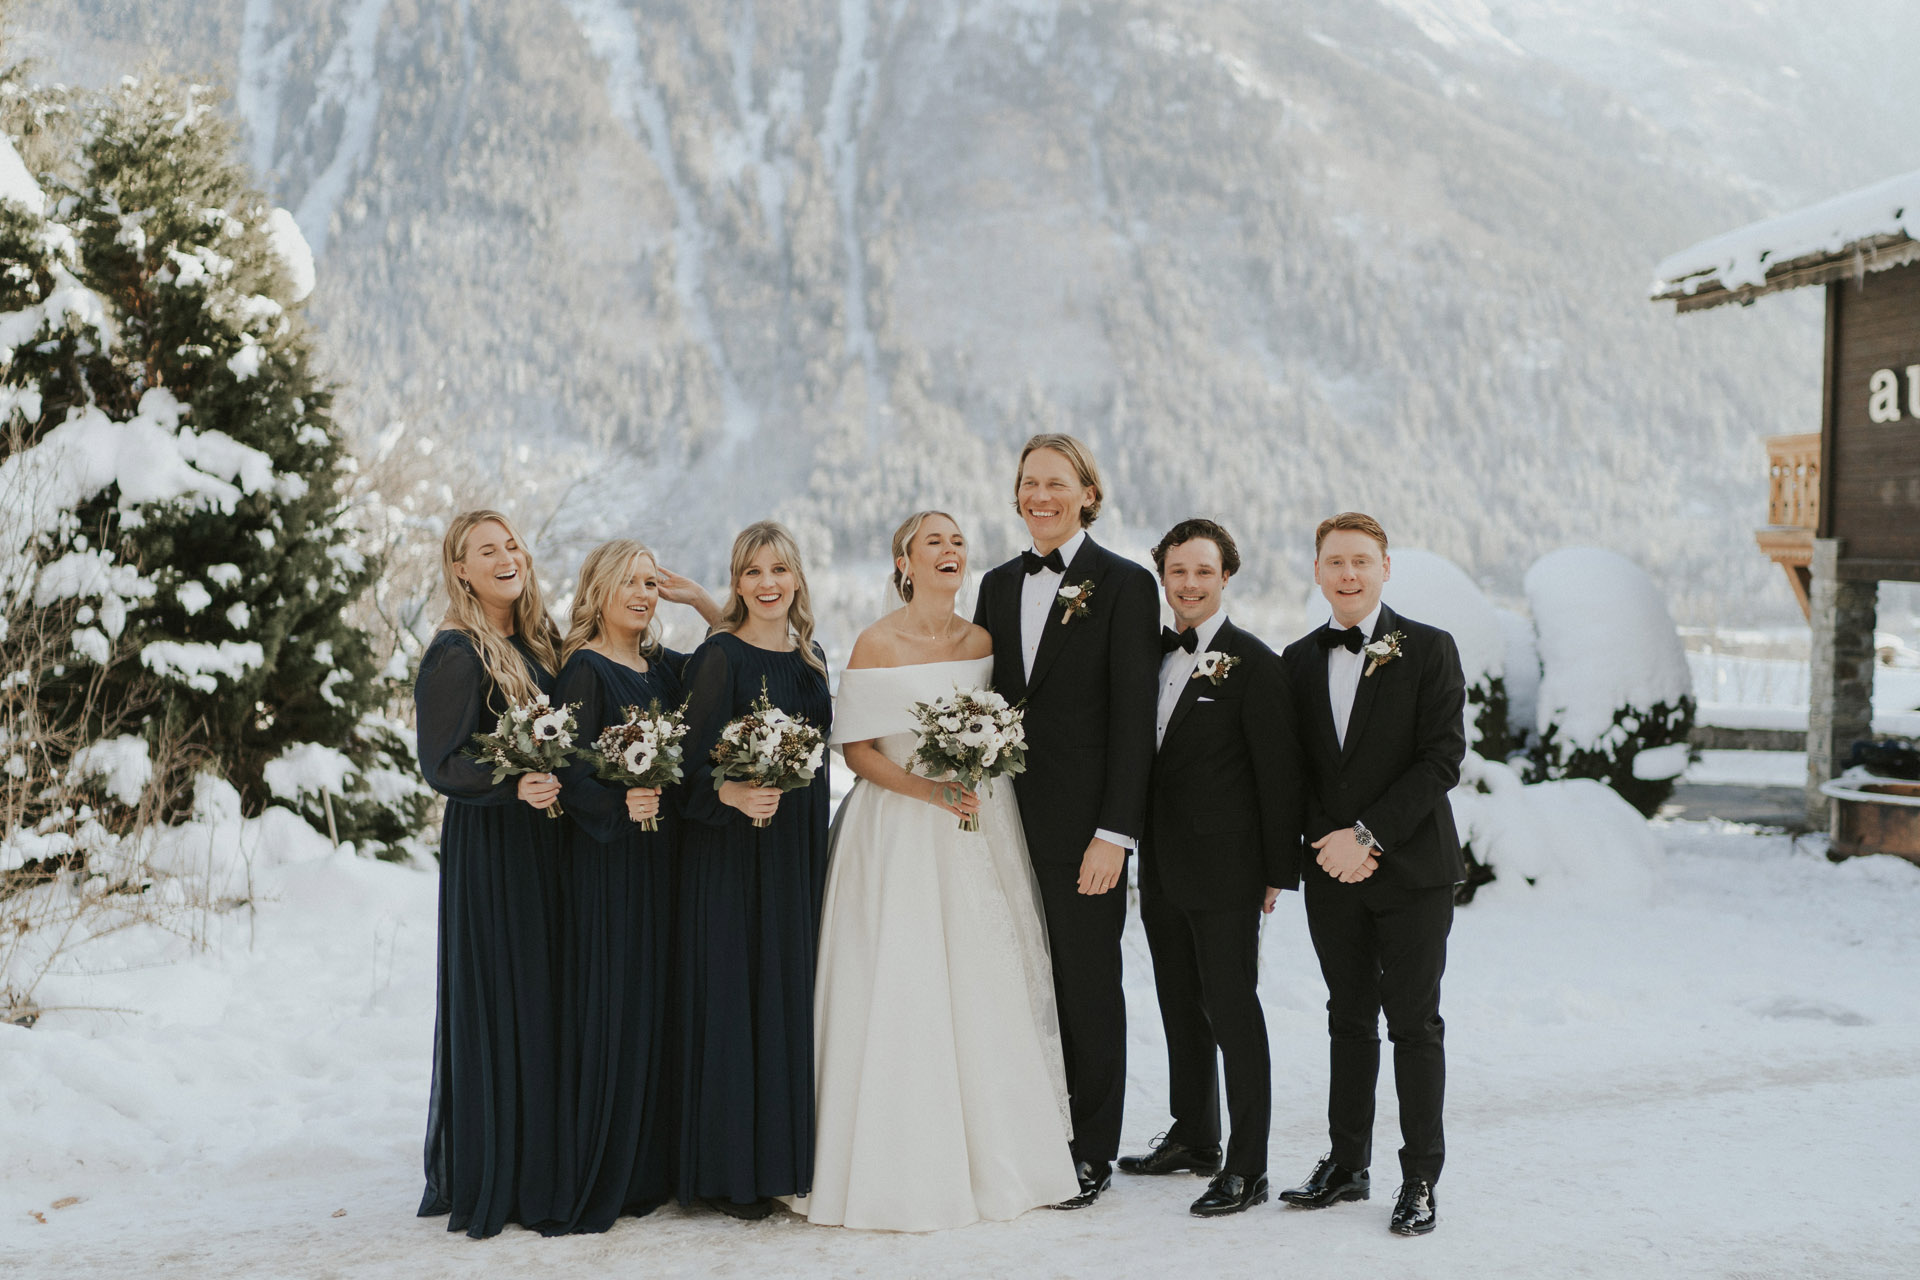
{"points": [[1230, 1193], [1168, 1156], [1094, 1178], [1413, 1209], [748, 1211], [1329, 1184]]}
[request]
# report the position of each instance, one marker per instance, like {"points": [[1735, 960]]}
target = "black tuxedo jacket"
{"points": [[1090, 704], [1224, 803], [1405, 741]]}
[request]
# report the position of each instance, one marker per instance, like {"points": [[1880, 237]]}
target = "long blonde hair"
{"points": [[903, 543], [603, 574], [502, 662], [749, 543]]}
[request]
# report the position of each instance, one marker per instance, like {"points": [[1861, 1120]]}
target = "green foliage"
{"points": [[1634, 730], [1488, 709], [154, 224]]}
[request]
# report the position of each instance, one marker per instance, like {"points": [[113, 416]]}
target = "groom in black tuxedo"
{"points": [[1381, 699], [1223, 834], [1075, 635]]}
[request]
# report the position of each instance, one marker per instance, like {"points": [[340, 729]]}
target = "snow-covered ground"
{"points": [[1720, 1077]]}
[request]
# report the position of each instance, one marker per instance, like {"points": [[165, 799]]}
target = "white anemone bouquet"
{"points": [[968, 737], [642, 751], [768, 748], [531, 737]]}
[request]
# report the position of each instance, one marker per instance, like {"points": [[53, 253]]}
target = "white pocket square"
{"points": [[1203, 699]]}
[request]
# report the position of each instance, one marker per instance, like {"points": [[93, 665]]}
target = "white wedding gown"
{"points": [[940, 1095]]}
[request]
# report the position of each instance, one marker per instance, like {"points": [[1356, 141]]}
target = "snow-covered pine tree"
{"points": [[181, 474]]}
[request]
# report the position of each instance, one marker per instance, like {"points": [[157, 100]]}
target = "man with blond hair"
{"points": [[1380, 698], [1076, 638]]}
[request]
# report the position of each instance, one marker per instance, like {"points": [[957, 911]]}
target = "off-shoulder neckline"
{"points": [[915, 666]]}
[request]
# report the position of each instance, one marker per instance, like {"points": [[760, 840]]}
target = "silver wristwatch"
{"points": [[1365, 837]]}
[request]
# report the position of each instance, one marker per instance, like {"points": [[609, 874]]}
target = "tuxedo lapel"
{"points": [[1363, 695], [1319, 704], [1004, 626], [1196, 684], [1053, 633]]}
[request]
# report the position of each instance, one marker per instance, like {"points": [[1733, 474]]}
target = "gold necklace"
{"points": [[946, 635]]}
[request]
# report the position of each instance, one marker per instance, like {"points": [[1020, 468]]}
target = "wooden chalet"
{"points": [[1843, 503]]}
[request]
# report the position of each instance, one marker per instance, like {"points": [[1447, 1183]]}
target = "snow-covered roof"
{"points": [[1871, 229]]}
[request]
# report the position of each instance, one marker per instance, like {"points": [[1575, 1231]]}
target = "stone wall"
{"points": [[1840, 701]]}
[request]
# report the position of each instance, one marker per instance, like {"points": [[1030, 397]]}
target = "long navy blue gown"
{"points": [[491, 1150], [619, 912], [749, 918]]}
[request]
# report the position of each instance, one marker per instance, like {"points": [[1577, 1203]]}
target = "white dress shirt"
{"points": [[1039, 606], [1039, 601], [1176, 671], [1343, 675]]}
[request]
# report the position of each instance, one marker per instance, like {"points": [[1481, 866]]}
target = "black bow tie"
{"points": [[1352, 639], [1171, 639], [1035, 563]]}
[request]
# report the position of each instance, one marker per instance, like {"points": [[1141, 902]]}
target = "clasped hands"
{"points": [[1343, 857]]}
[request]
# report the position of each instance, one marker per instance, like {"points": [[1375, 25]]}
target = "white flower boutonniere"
{"points": [[1382, 651], [1213, 666], [1074, 599]]}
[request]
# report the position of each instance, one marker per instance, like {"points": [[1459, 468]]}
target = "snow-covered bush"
{"points": [[1570, 835], [1615, 701], [174, 485]]}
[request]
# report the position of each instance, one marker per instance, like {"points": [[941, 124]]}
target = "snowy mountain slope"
{"points": [[835, 258]]}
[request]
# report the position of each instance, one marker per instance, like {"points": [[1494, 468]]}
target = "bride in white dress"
{"points": [[940, 1095]]}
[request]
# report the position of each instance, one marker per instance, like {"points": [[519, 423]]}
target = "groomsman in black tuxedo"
{"points": [[1222, 836], [1380, 700], [1074, 631]]}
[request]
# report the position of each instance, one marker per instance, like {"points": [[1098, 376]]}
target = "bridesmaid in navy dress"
{"points": [[749, 901], [491, 1150], [617, 1136]]}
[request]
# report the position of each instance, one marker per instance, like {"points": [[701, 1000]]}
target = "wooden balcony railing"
{"points": [[1793, 510], [1793, 481]]}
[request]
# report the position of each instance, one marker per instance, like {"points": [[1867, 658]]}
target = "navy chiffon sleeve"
{"points": [[600, 808], [450, 705], [710, 705]]}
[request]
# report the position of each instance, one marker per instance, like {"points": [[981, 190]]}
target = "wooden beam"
{"points": [[1880, 570], [1829, 406]]}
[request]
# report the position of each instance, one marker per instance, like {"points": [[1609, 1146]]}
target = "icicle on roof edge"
{"points": [[1871, 229]]}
